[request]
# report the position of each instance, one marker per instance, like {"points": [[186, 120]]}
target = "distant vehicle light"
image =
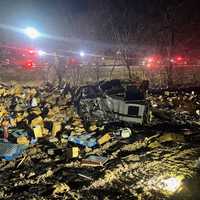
{"points": [[73, 61], [149, 65], [29, 64], [172, 60], [41, 53], [31, 51], [150, 59], [82, 54], [179, 58]]}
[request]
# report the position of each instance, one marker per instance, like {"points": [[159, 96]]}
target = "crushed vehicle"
{"points": [[113, 101]]}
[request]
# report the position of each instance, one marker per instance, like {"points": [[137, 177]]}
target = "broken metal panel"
{"points": [[114, 100], [131, 119]]}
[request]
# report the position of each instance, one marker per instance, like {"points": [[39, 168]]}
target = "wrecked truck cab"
{"points": [[112, 101]]}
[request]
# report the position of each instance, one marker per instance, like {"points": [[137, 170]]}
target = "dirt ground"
{"points": [[134, 171], [137, 167]]}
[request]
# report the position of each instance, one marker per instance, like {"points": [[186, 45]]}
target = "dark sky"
{"points": [[59, 17], [49, 14], [44, 14]]}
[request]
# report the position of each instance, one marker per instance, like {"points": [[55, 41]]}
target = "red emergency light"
{"points": [[31, 51], [29, 65], [73, 61], [179, 58], [151, 59]]}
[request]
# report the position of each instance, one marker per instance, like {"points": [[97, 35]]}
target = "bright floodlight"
{"points": [[41, 53], [82, 54], [31, 32]]}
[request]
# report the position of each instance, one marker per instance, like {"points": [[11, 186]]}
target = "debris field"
{"points": [[52, 152]]}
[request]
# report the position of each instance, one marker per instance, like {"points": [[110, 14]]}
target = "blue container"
{"points": [[85, 140], [11, 151]]}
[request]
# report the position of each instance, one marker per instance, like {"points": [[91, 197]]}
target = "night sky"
{"points": [[92, 19], [44, 14]]}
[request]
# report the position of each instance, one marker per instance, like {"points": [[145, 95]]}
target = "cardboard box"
{"points": [[22, 140], [38, 121], [38, 131], [56, 128], [73, 152], [104, 139]]}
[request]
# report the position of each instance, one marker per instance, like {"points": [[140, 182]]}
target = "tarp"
{"points": [[11, 151]]}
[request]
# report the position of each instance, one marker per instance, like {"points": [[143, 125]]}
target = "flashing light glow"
{"points": [[41, 53], [31, 32], [72, 61], [29, 64], [149, 65], [172, 60], [82, 54], [31, 51], [150, 59], [179, 58]]}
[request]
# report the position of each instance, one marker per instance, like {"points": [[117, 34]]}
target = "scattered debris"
{"points": [[60, 188], [73, 152], [48, 149], [94, 161], [112, 101], [105, 138], [123, 133]]}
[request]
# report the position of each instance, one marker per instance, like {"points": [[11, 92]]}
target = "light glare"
{"points": [[31, 32], [41, 53], [82, 54], [171, 184]]}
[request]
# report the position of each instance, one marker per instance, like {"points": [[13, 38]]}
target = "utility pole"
{"points": [[170, 68]]}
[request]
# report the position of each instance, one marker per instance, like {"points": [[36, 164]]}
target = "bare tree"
{"points": [[124, 29], [174, 24], [127, 31]]}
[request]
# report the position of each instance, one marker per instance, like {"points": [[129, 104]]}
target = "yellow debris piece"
{"points": [[104, 139], [75, 152], [22, 140], [50, 113], [3, 111], [56, 128], [33, 92], [38, 131], [56, 109], [37, 111], [38, 121], [45, 131], [155, 144], [168, 137], [64, 141], [25, 114], [93, 128], [2, 91], [60, 188], [19, 117], [18, 89]]}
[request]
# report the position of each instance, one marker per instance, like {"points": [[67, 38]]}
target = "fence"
{"points": [[80, 75]]}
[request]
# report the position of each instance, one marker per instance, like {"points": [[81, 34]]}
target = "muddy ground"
{"points": [[134, 171], [136, 166]]}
